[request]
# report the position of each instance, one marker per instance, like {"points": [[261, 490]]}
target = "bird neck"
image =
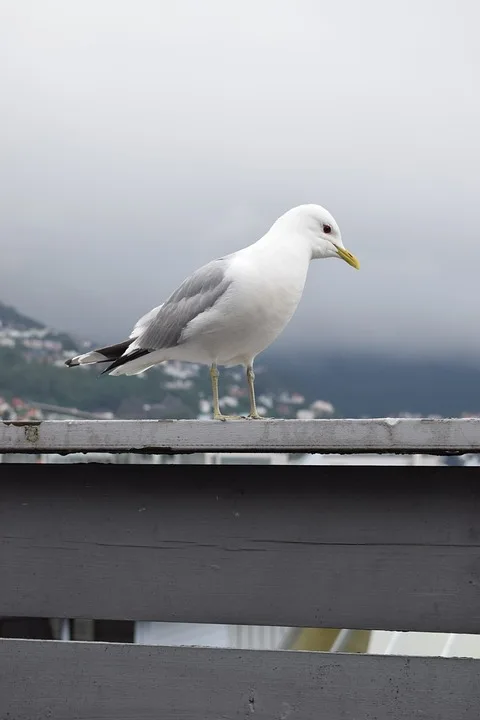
{"points": [[290, 246]]}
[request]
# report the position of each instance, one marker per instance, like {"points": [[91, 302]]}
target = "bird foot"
{"points": [[255, 416], [223, 418]]}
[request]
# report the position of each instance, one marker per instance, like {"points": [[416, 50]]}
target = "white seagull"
{"points": [[233, 308]]}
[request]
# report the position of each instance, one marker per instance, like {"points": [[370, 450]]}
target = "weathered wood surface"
{"points": [[94, 681], [184, 436], [397, 548]]}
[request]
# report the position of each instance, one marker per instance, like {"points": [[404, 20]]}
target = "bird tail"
{"points": [[132, 363], [111, 353]]}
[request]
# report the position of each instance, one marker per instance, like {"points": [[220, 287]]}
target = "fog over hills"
{"points": [[143, 140]]}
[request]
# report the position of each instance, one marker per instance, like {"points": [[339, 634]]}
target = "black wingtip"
{"points": [[125, 359]]}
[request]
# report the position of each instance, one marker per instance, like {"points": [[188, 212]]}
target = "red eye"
{"points": [[327, 229]]}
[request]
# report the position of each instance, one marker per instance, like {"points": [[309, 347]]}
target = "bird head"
{"points": [[320, 229]]}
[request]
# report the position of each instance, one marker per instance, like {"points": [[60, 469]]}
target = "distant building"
{"points": [[322, 407]]}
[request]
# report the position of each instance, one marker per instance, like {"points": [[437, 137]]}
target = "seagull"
{"points": [[233, 308]]}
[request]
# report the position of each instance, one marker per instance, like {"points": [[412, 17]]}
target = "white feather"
{"points": [[87, 358]]}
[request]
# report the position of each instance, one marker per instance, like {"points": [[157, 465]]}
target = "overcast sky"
{"points": [[142, 138]]}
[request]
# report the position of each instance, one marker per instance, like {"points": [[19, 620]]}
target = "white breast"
{"points": [[265, 291]]}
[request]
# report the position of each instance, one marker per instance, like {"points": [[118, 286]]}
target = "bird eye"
{"points": [[327, 229]]}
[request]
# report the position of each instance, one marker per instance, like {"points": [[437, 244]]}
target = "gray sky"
{"points": [[142, 138]]}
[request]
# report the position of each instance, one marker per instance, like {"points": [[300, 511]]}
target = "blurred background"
{"points": [[142, 139]]}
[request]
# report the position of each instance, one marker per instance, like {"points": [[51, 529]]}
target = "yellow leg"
{"points": [[217, 415], [253, 414]]}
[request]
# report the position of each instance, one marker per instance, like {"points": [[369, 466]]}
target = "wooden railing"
{"points": [[391, 548]]}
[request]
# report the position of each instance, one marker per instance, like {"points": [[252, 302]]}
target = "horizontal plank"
{"points": [[186, 436], [82, 681], [397, 548]]}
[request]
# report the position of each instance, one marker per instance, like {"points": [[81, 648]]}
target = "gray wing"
{"points": [[196, 294], [143, 323]]}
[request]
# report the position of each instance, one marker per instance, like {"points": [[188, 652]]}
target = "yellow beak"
{"points": [[348, 257]]}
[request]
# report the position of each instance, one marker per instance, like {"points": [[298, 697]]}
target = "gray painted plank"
{"points": [[183, 436], [93, 681], [398, 548]]}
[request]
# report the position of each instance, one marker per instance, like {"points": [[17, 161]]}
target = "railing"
{"points": [[394, 548]]}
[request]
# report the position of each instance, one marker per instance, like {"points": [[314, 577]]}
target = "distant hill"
{"points": [[10, 317], [358, 385], [362, 385]]}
